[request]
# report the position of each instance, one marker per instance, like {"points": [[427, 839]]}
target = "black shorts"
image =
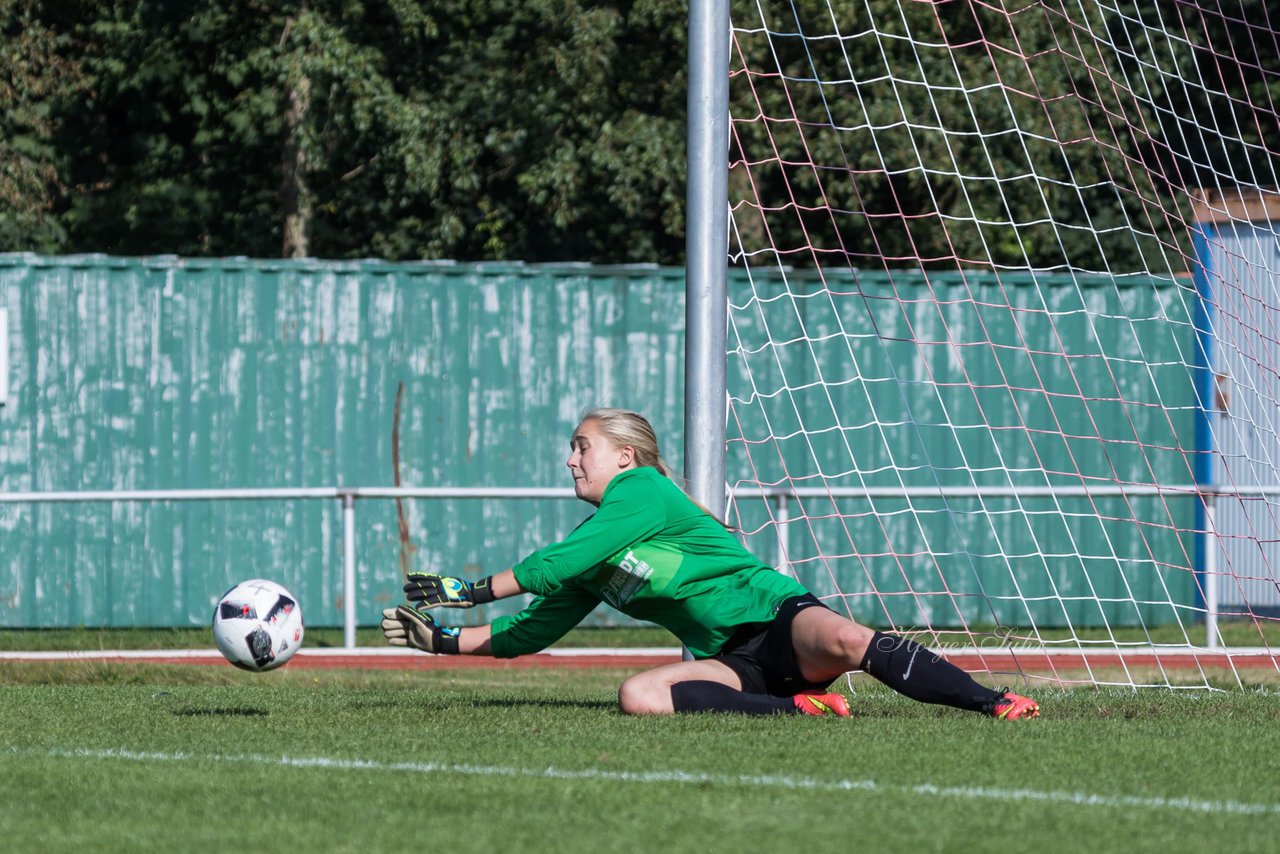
{"points": [[762, 656]]}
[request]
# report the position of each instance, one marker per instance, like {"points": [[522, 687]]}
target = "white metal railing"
{"points": [[1206, 493], [347, 495], [781, 496]]}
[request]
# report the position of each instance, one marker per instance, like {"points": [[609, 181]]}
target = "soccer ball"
{"points": [[257, 625]]}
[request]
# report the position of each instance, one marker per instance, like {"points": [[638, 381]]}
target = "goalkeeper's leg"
{"points": [[653, 691], [827, 645], [712, 686]]}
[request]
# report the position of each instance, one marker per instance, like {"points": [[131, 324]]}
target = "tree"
{"points": [[555, 129], [196, 110], [36, 72], [536, 130], [545, 130], [1218, 121], [994, 162]]}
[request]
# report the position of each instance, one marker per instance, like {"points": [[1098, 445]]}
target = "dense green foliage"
{"points": [[555, 129], [516, 129], [1029, 134], [119, 758], [35, 76]]}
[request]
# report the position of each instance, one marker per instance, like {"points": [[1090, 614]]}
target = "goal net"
{"points": [[1004, 326]]}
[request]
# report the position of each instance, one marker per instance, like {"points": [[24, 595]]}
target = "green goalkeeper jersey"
{"points": [[653, 554]]}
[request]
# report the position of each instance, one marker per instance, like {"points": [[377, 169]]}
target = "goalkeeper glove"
{"points": [[427, 590], [407, 626]]}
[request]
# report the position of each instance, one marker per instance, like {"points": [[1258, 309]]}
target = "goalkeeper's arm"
{"points": [[415, 627], [428, 590], [545, 620], [412, 624]]}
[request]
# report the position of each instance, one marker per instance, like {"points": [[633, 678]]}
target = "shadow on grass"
{"points": [[222, 712], [536, 702]]}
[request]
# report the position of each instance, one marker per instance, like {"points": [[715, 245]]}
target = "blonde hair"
{"points": [[626, 428]]}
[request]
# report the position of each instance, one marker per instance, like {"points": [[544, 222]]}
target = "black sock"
{"points": [[707, 696], [915, 672]]}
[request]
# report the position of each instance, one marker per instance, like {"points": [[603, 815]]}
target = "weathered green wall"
{"points": [[165, 373], [975, 380], [160, 373]]}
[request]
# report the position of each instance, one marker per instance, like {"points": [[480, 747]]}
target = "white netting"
{"points": [[1005, 325]]}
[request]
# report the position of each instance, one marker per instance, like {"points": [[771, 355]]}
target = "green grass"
{"points": [[133, 757]]}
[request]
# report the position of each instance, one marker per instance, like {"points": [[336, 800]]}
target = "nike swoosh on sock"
{"points": [[907, 673]]}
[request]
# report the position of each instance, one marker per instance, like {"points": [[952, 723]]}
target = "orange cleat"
{"points": [[815, 703], [1014, 707]]}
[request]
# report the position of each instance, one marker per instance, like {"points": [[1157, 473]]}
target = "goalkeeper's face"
{"points": [[594, 460]]}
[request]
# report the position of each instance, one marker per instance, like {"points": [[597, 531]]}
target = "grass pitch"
{"points": [[133, 757]]}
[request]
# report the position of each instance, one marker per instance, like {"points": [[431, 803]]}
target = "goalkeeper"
{"points": [[761, 643]]}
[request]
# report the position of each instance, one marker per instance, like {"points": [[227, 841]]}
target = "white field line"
{"points": [[656, 652], [761, 781]]}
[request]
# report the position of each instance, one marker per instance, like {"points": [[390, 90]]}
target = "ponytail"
{"points": [[631, 429]]}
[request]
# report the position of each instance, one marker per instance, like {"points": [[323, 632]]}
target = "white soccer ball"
{"points": [[257, 625]]}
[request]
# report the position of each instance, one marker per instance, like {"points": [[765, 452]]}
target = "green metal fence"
{"points": [[164, 373], [959, 383]]}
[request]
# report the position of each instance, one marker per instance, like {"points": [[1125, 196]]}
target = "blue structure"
{"points": [[1237, 275]]}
